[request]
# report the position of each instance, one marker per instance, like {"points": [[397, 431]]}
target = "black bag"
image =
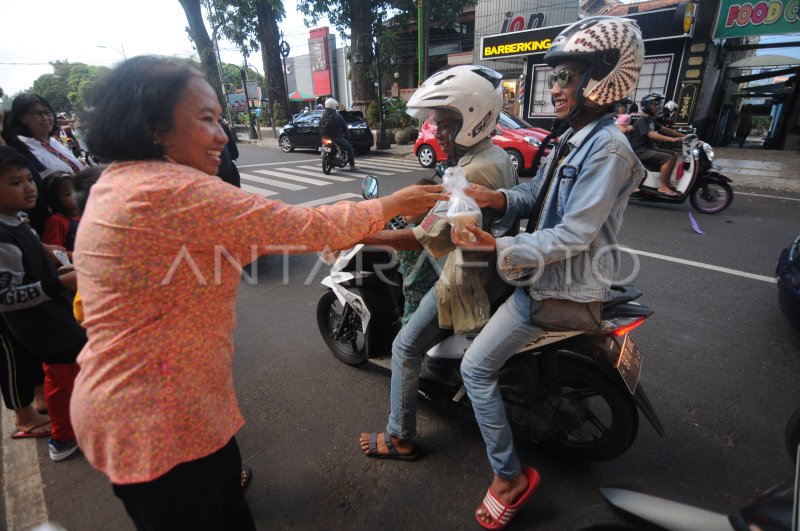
{"points": [[328, 126], [564, 315]]}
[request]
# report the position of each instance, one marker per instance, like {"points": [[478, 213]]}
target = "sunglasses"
{"points": [[562, 77]]}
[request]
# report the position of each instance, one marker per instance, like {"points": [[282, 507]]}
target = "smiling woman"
{"points": [[158, 365]]}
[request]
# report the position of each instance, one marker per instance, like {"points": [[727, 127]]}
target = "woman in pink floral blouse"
{"points": [[154, 406]]}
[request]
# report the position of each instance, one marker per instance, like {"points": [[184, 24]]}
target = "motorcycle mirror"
{"points": [[369, 187], [440, 169]]}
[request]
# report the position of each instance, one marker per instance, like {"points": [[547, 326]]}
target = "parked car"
{"points": [[303, 132], [519, 139], [788, 273]]}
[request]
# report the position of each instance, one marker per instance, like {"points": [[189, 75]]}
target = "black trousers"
{"points": [[20, 371], [204, 494]]}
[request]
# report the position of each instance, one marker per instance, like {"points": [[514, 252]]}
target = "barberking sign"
{"points": [[745, 19]]}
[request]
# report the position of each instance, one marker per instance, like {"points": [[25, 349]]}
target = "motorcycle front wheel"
{"points": [[349, 345], [597, 419], [711, 197], [327, 165]]}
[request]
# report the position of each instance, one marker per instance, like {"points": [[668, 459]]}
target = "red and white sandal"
{"points": [[500, 513]]}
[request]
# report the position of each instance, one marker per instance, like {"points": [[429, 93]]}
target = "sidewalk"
{"points": [[757, 168]]}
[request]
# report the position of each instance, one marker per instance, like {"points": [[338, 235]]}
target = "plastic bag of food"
{"points": [[463, 209]]}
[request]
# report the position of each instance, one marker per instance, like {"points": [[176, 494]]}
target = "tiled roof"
{"points": [[639, 7]]}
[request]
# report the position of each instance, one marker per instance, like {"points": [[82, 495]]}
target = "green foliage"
{"points": [[761, 123], [278, 115], [394, 113], [66, 88], [372, 114]]}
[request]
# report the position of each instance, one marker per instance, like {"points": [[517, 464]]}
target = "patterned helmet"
{"points": [[613, 50]]}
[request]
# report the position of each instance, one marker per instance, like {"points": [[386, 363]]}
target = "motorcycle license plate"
{"points": [[629, 362]]}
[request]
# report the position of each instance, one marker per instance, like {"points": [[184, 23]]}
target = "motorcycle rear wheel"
{"points": [[351, 346], [609, 420], [711, 197]]}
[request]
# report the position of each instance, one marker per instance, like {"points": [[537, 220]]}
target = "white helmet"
{"points": [[670, 106], [613, 50], [331, 103], [472, 94]]}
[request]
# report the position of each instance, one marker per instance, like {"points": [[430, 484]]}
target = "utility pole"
{"points": [[253, 133], [420, 68]]}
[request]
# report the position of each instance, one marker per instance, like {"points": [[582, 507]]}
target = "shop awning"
{"points": [[764, 61], [301, 96]]}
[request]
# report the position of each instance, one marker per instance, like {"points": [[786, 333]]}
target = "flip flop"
{"points": [[501, 513], [670, 194], [32, 433], [393, 453]]}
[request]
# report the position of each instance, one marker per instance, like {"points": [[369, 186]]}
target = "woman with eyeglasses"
{"points": [[33, 119]]}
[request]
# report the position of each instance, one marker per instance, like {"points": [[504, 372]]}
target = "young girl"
{"points": [[60, 228]]}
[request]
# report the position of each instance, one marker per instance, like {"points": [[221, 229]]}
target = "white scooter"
{"points": [[694, 176]]}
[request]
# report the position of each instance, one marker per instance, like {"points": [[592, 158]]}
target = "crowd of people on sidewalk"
{"points": [[143, 355]]}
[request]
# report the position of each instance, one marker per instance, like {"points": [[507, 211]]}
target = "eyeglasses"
{"points": [[562, 77], [39, 114]]}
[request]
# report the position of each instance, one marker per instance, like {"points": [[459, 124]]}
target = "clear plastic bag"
{"points": [[463, 209]]}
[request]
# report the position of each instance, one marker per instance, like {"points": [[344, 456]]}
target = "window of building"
{"points": [[541, 105]]}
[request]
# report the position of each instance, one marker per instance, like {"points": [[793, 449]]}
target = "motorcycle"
{"points": [[575, 391], [333, 156], [774, 510], [696, 176]]}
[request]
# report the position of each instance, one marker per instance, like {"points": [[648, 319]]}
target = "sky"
{"points": [[35, 32]]}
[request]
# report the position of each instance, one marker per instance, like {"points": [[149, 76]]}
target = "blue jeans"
{"points": [[408, 349], [345, 145], [507, 331]]}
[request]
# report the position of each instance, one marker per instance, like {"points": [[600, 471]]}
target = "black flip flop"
{"points": [[393, 453]]}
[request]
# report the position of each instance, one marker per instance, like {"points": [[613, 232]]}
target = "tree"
{"points": [[253, 25], [65, 89], [364, 20], [205, 48]]}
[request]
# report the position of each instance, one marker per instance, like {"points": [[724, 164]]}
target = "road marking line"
{"points": [[770, 196], [257, 190], [355, 172], [324, 200], [273, 163], [23, 493], [271, 182], [389, 165], [316, 174], [294, 177], [763, 278]]}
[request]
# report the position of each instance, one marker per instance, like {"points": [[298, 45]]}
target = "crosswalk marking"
{"points": [[316, 174], [271, 182], [324, 200], [385, 164], [362, 169], [257, 190], [293, 177]]}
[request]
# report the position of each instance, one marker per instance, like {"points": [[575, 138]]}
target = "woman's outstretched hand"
{"points": [[412, 200]]}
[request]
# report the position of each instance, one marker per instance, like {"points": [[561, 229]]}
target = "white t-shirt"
{"points": [[51, 162]]}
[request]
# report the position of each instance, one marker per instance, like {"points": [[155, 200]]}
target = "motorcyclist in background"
{"points": [[646, 132], [332, 125]]}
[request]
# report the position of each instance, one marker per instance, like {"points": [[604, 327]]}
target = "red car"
{"points": [[519, 139]]}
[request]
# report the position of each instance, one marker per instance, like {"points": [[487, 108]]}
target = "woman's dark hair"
{"points": [[131, 105], [24, 103], [83, 182], [53, 184], [10, 158]]}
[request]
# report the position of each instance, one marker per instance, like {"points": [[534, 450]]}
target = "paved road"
{"points": [[720, 365]]}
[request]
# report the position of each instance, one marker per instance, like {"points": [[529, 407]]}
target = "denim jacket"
{"points": [[573, 253]]}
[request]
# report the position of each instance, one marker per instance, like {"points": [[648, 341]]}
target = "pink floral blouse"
{"points": [[153, 255]]}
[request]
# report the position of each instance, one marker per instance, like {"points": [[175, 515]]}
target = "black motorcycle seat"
{"points": [[622, 294]]}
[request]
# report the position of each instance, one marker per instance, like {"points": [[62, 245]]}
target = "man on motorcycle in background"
{"points": [[464, 103], [646, 132], [569, 253], [332, 125]]}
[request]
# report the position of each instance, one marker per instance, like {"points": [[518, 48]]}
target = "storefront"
{"points": [[674, 64]]}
